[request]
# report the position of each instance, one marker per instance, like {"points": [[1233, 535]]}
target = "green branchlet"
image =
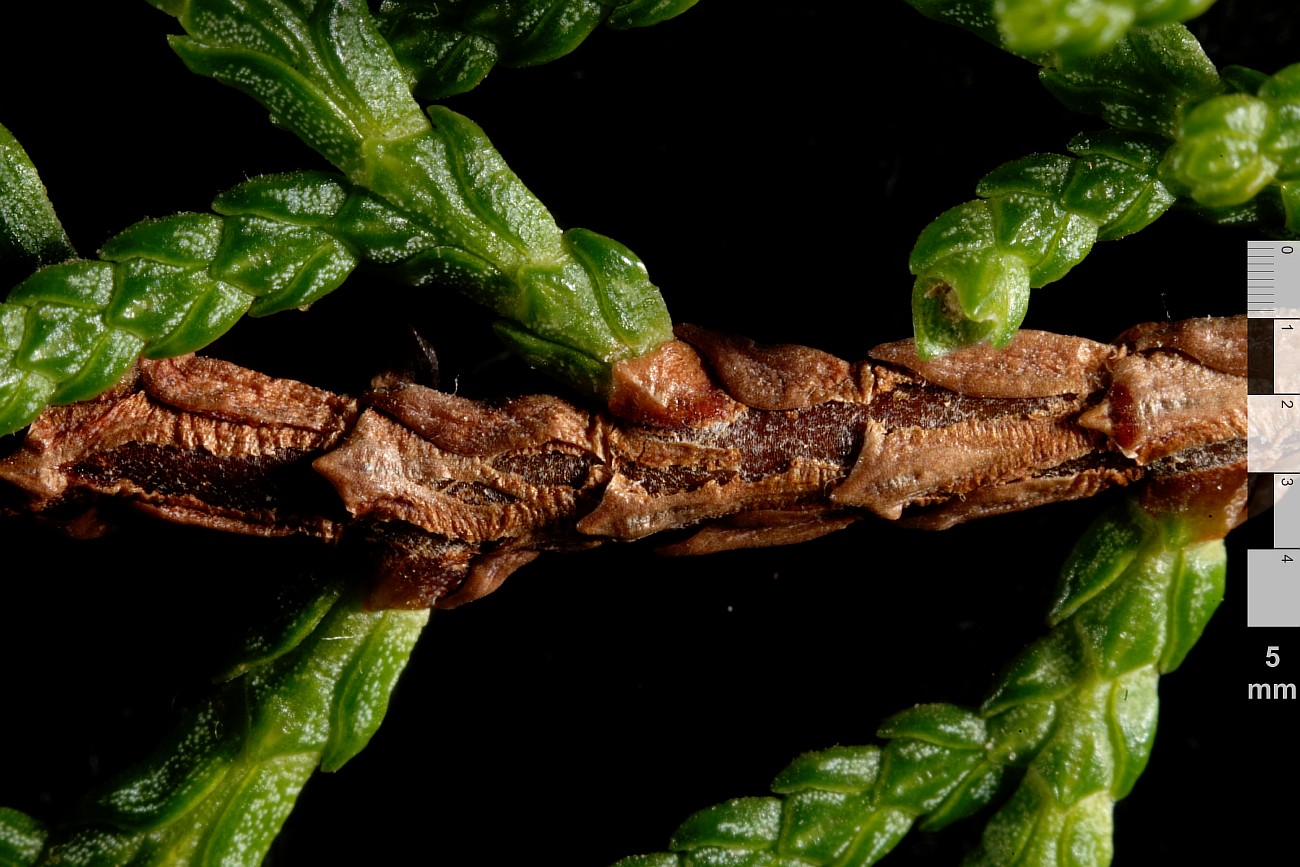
{"points": [[1141, 84], [311, 691], [1174, 131], [30, 236], [1234, 147], [22, 838], [1036, 218], [1079, 28], [1067, 729], [448, 47], [1056, 32], [324, 72], [30, 233], [165, 287], [425, 195]]}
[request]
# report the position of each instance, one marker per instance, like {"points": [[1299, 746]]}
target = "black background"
{"points": [[773, 171]]}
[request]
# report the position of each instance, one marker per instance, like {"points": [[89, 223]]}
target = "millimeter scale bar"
{"points": [[1273, 309]]}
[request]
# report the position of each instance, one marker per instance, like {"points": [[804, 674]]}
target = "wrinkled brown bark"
{"points": [[712, 439]]}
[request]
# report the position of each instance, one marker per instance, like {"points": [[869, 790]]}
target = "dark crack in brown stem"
{"points": [[712, 439]]}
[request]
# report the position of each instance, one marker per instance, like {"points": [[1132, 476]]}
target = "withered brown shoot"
{"points": [[712, 439]]}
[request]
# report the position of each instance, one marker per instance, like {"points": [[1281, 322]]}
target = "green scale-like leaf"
{"points": [[1036, 219], [1236, 147], [1068, 727], [427, 195], [30, 234], [1083, 27], [21, 838], [343, 93], [311, 692], [1039, 216], [447, 47], [1059, 32], [1142, 83]]}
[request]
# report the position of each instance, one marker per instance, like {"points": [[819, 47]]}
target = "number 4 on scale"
{"points": [[1286, 482]]}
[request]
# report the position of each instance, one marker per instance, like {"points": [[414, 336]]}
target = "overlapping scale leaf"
{"points": [[1128, 196], [973, 15], [1036, 219], [281, 265], [838, 769], [21, 838], [1235, 147], [1030, 217], [531, 32], [574, 303], [30, 233], [65, 341], [295, 613], [166, 287], [182, 771], [429, 195], [23, 393], [218, 791], [1220, 158], [1060, 32], [448, 47], [1017, 731], [1131, 712], [1069, 726], [1031, 829], [172, 285], [646, 13], [1097, 672], [1099, 559], [1072, 28], [320, 68], [1123, 628], [745, 823], [819, 826], [30, 237], [975, 264], [1141, 83], [978, 786], [1198, 587]]}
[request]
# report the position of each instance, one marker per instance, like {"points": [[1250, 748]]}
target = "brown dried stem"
{"points": [[720, 441]]}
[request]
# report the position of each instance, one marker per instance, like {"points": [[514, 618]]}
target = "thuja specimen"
{"points": [[114, 324]]}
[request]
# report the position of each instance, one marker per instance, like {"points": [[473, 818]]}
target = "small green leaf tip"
{"points": [[21, 838], [1219, 158], [447, 47], [941, 318], [973, 15], [1142, 83], [311, 694], [1036, 219], [1073, 28], [1059, 32], [30, 233], [1232, 148]]}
